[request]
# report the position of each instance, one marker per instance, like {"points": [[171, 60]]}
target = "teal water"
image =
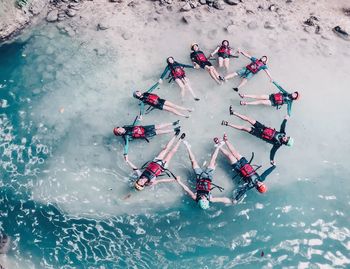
{"points": [[58, 223]]}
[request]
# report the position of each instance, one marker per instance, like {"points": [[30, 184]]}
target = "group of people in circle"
{"points": [[149, 174]]}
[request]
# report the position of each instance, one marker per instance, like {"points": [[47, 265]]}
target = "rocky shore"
{"points": [[317, 18]]}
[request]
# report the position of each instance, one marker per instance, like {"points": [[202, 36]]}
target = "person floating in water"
{"points": [[157, 167], [275, 99], [204, 181], [178, 74], [200, 61], [270, 135], [224, 52], [249, 177], [154, 101], [250, 70], [136, 131]]}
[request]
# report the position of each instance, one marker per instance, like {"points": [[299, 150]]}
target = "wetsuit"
{"points": [[249, 175], [279, 99], [270, 135], [135, 132], [199, 58], [251, 69], [176, 70]]}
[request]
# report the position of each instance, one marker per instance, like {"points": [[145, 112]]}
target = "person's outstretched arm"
{"points": [[283, 125], [273, 153], [166, 70], [153, 88], [126, 145], [268, 74], [245, 54], [215, 51], [133, 166], [289, 108], [224, 200], [163, 180], [240, 193], [267, 172], [279, 87], [186, 65], [187, 189]]}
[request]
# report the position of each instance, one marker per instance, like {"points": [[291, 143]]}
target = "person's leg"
{"points": [[174, 111], [228, 155], [212, 162], [253, 96], [172, 105], [164, 125], [245, 118], [212, 74], [182, 87], [164, 131], [259, 102], [234, 152], [164, 151], [238, 127], [232, 75], [243, 82], [171, 153], [188, 86], [227, 63], [193, 160], [221, 62]]}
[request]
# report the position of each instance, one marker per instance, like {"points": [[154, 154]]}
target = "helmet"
{"points": [[265, 59], [138, 187], [115, 131], [192, 45], [290, 142], [203, 203], [261, 187], [135, 94]]}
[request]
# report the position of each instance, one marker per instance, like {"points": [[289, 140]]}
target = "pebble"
{"points": [[269, 25], [232, 2], [187, 19], [253, 25], [102, 26], [71, 12], [52, 16], [203, 2], [218, 5], [186, 7]]}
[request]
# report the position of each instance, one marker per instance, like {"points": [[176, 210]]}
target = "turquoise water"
{"points": [[51, 159]]}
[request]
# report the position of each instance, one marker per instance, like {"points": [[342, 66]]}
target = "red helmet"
{"points": [[261, 187], [115, 131]]}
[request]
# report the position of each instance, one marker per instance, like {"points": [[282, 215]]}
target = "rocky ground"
{"points": [[314, 17]]}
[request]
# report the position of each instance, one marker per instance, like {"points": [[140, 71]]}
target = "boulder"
{"points": [[232, 2], [218, 5], [52, 16], [269, 25], [203, 2], [186, 7], [71, 12], [187, 19], [101, 26], [230, 29]]}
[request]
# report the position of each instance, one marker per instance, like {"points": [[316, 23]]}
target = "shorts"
{"points": [[257, 129], [204, 64], [206, 173], [245, 73], [150, 131], [239, 164], [160, 104], [223, 55]]}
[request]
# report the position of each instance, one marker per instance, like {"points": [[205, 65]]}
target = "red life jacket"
{"points": [[154, 168], [225, 50], [268, 133], [200, 57], [278, 98], [247, 170], [203, 184], [177, 72], [152, 99], [138, 132], [254, 67]]}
